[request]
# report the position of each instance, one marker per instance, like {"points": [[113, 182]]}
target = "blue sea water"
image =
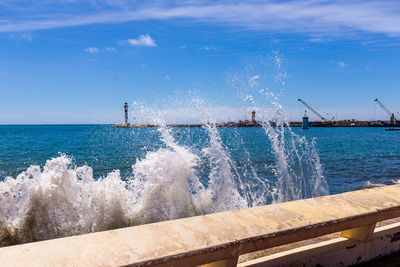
{"points": [[351, 158], [62, 180]]}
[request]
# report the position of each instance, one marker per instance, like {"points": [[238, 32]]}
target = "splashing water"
{"points": [[61, 199], [165, 183], [174, 181], [297, 164]]}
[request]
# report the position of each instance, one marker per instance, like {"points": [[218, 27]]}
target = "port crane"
{"points": [[313, 110], [393, 119]]}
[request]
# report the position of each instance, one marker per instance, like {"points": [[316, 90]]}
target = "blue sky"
{"points": [[73, 61]]}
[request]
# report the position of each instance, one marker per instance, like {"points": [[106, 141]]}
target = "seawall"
{"points": [[220, 239]]}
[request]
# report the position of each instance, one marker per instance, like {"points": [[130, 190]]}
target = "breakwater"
{"points": [[347, 123]]}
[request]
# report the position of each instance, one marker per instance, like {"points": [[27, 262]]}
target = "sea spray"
{"points": [[223, 186], [166, 183], [255, 188], [61, 200], [171, 180], [297, 167], [297, 164]]}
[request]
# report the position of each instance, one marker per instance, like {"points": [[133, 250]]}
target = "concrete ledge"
{"points": [[336, 252], [204, 239]]}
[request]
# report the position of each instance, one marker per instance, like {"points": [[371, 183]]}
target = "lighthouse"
{"points": [[305, 120], [126, 113]]}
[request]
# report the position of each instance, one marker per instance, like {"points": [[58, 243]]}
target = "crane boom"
{"points": [[313, 110], [383, 107], [391, 115]]}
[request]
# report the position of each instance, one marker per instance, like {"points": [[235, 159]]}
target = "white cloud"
{"points": [[92, 50], [183, 46], [167, 77], [322, 17], [26, 37], [342, 65], [111, 49], [143, 40], [208, 48]]}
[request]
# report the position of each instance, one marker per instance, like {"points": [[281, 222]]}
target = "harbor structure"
{"points": [[393, 120], [305, 120], [126, 113], [253, 116], [325, 122]]}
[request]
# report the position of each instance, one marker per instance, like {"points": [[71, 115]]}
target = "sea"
{"points": [[62, 180]]}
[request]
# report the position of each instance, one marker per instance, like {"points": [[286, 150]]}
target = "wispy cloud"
{"points": [[208, 48], [26, 37], [92, 50], [316, 40], [342, 65], [322, 17], [143, 40], [111, 49]]}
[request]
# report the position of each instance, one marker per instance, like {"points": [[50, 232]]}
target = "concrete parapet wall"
{"points": [[336, 252], [219, 237]]}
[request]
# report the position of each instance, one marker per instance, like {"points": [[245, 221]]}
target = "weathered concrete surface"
{"points": [[202, 239], [336, 252], [269, 251]]}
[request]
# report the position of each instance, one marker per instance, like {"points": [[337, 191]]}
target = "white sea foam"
{"points": [[369, 184], [166, 185], [61, 200]]}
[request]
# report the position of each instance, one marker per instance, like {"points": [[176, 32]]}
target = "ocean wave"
{"points": [[61, 199]]}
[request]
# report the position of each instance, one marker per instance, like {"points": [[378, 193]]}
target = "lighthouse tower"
{"points": [[126, 113], [305, 120], [253, 116]]}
